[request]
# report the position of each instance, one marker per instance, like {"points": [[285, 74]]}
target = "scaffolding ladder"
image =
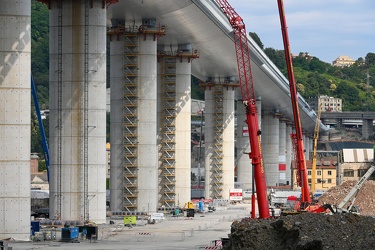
{"points": [[216, 171], [59, 112], [130, 122], [168, 142]]}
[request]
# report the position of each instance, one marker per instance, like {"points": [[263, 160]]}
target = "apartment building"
{"points": [[329, 104]]}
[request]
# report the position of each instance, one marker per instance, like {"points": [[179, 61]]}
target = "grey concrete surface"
{"points": [[172, 233]]}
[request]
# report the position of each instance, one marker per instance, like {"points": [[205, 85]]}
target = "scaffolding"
{"points": [[59, 112], [168, 142], [130, 121], [216, 170]]}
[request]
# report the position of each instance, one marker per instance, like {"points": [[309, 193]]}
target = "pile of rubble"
{"points": [[365, 199], [310, 231], [305, 231]]}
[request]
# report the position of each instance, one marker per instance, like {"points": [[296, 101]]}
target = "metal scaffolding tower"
{"points": [[131, 121], [216, 171], [85, 115], [59, 109], [168, 140]]}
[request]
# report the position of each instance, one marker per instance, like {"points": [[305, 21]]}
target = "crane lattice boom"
{"points": [[297, 138], [249, 100]]}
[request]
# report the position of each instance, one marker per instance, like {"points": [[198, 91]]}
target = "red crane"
{"points": [[249, 100], [297, 138]]}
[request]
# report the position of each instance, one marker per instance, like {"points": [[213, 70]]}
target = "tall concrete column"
{"points": [[117, 123], [244, 163], [228, 141], [15, 54], [147, 125], [367, 129], [78, 110], [244, 169], [183, 130], [289, 152], [306, 141], [208, 136], [282, 151], [270, 148]]}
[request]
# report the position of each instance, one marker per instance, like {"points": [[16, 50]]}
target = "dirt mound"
{"points": [[365, 199], [304, 232]]}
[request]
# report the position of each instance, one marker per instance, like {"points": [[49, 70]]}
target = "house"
{"points": [[343, 61]]}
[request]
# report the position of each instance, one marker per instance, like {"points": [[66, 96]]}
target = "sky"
{"points": [[324, 28]]}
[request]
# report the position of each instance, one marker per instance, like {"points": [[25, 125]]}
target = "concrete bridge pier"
{"points": [[289, 151], [15, 54], [78, 110], [117, 100], [367, 128], [282, 151], [183, 125], [270, 145], [219, 139]]}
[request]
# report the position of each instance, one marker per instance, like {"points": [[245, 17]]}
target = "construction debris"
{"points": [[365, 199], [305, 231], [310, 231]]}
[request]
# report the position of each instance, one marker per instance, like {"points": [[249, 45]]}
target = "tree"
{"points": [[370, 59], [256, 39]]}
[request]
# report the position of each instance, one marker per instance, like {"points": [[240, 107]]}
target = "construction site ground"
{"points": [[180, 232], [231, 223]]}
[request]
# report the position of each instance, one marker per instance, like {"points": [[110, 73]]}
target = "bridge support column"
{"points": [[288, 149], [15, 54], [270, 145], [147, 125], [228, 141], [219, 139], [183, 130], [367, 129], [244, 164], [117, 51], [78, 110], [282, 151], [306, 142]]}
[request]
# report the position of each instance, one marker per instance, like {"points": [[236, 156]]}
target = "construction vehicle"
{"points": [[41, 127], [352, 195], [249, 100], [297, 138], [188, 205]]}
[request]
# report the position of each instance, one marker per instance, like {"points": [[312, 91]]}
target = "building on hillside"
{"points": [[329, 103], [305, 55], [343, 61], [325, 176], [355, 163]]}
